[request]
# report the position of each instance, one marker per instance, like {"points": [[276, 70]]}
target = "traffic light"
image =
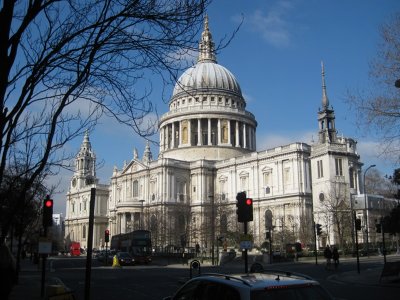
{"points": [[244, 207], [241, 198], [48, 212], [319, 229], [249, 209], [358, 224], [106, 235], [378, 227]]}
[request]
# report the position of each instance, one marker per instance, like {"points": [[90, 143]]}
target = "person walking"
{"points": [[328, 257], [335, 256]]}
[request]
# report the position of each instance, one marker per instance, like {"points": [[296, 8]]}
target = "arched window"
{"points": [[268, 219], [84, 231], [224, 131], [135, 189], [351, 178]]}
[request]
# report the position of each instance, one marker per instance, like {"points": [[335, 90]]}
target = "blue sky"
{"points": [[276, 57]]}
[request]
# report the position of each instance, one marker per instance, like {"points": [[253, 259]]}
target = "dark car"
{"points": [[275, 285], [101, 256], [125, 259]]}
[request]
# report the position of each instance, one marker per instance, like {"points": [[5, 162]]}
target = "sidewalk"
{"points": [[29, 282], [369, 277]]}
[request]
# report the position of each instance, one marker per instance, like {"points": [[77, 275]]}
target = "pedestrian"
{"points": [[335, 256], [328, 256]]}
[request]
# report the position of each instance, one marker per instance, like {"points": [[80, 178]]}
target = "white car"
{"points": [[253, 286]]}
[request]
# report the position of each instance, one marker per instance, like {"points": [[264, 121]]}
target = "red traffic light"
{"points": [[47, 212], [106, 235], [249, 201]]}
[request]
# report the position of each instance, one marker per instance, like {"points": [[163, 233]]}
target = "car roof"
{"points": [[262, 280]]}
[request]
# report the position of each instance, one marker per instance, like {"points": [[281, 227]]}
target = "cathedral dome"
{"points": [[205, 76]]}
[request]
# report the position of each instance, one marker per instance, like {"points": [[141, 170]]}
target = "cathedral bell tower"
{"points": [[326, 117], [85, 161]]}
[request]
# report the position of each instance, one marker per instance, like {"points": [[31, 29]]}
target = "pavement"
{"points": [[29, 283]]}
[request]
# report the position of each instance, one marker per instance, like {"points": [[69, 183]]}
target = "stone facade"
{"points": [[207, 154]]}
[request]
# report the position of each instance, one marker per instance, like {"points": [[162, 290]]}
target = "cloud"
{"points": [[272, 25]]}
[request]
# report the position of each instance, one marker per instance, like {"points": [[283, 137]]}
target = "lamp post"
{"points": [[365, 208]]}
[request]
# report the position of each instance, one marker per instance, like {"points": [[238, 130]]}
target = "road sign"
{"points": [[246, 241], [246, 245], [45, 247]]}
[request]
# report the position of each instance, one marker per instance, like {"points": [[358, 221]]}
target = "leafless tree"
{"points": [[65, 63], [337, 213], [378, 110]]}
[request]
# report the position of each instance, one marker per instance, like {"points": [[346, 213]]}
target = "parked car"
{"points": [[253, 286], [125, 259]]}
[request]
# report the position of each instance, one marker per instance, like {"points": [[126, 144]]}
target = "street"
{"points": [[155, 281]]}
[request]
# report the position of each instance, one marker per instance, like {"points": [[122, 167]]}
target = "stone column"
{"points": [[209, 131], [219, 132], [237, 134], [180, 134], [190, 132], [198, 132], [123, 221], [229, 132], [244, 136], [173, 135], [161, 149]]}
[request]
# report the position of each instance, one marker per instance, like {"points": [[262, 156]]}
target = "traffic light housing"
{"points": [[318, 227], [249, 209], [48, 212], [106, 235], [244, 207], [378, 227], [358, 224]]}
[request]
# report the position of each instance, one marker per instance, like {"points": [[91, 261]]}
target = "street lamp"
{"points": [[365, 208]]}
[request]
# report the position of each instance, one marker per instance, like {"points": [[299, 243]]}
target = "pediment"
{"points": [[133, 166], [267, 170], [223, 178], [244, 174]]}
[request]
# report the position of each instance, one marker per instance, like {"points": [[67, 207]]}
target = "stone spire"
{"points": [[326, 116], [147, 156], [206, 45], [325, 101], [86, 159]]}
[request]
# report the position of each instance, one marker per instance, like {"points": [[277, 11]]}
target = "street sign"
{"points": [[246, 245], [246, 241], [45, 247]]}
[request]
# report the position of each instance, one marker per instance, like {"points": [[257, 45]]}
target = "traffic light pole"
{"points": [[246, 265], [315, 245], [43, 267], [90, 244], [356, 234], [383, 242]]}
